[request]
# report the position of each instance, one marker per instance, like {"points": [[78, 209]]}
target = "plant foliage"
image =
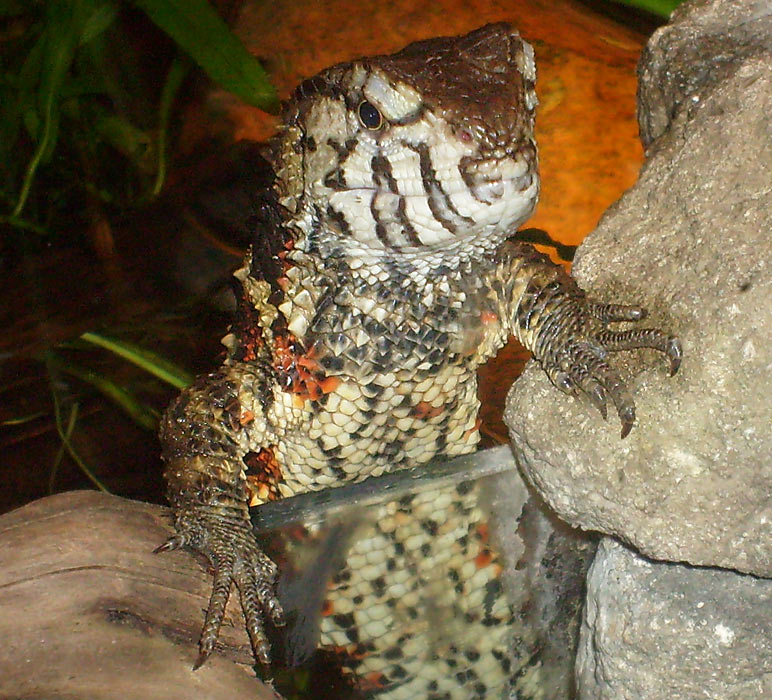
{"points": [[86, 94], [663, 8]]}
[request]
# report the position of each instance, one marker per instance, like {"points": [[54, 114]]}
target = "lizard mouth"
{"points": [[490, 179]]}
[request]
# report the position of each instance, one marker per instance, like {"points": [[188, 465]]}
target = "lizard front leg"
{"points": [[568, 333], [202, 433]]}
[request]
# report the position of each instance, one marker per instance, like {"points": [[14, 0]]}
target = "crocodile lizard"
{"points": [[384, 271]]}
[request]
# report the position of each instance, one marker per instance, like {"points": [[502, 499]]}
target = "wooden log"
{"points": [[88, 611]]}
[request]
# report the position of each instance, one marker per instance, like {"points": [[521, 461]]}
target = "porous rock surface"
{"points": [[692, 242], [655, 631]]}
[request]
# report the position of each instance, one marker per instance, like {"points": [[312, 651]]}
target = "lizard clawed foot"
{"points": [[236, 559], [575, 357]]}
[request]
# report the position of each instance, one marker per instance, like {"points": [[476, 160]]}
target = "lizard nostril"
{"points": [[465, 136]]}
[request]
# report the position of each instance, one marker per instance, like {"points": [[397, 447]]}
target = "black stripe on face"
{"points": [[411, 118], [312, 87], [336, 178], [439, 201], [382, 172], [380, 228], [407, 227], [339, 219], [468, 177]]}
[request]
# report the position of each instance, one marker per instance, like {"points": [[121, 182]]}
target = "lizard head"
{"points": [[429, 148]]}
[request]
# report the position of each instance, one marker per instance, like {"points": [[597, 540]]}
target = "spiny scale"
{"points": [[384, 281]]}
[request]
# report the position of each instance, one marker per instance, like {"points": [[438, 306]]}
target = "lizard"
{"points": [[385, 269]]}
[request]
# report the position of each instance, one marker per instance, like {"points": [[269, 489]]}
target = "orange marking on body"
{"points": [[402, 519], [329, 384], [289, 244], [308, 360], [345, 655], [373, 681], [482, 532], [283, 355], [423, 410], [253, 498], [474, 429], [488, 317], [483, 559], [327, 608], [246, 417], [251, 340], [266, 474], [301, 373]]}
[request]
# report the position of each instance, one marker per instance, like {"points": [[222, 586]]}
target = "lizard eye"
{"points": [[369, 115]]}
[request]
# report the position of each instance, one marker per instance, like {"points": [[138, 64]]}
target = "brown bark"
{"points": [[88, 611]]}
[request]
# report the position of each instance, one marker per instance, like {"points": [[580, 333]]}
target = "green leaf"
{"points": [[60, 39], [146, 359], [21, 420], [29, 78], [205, 37], [663, 8], [99, 22], [141, 414], [121, 134], [65, 432], [65, 25], [174, 78]]}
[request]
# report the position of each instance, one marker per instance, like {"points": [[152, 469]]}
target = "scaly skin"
{"points": [[380, 280]]}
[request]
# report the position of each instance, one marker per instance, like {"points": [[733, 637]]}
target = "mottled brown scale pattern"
{"points": [[383, 275]]}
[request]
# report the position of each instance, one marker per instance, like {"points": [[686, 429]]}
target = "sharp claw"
{"points": [[276, 612], [260, 646], [564, 382], [235, 560], [263, 654], [675, 353], [253, 619], [627, 416], [598, 397], [205, 649], [171, 544], [201, 659]]}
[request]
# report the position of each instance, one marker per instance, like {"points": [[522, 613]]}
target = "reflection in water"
{"points": [[439, 582]]}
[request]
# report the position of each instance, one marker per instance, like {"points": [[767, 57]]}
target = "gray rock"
{"points": [[705, 43], [654, 631], [691, 242]]}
